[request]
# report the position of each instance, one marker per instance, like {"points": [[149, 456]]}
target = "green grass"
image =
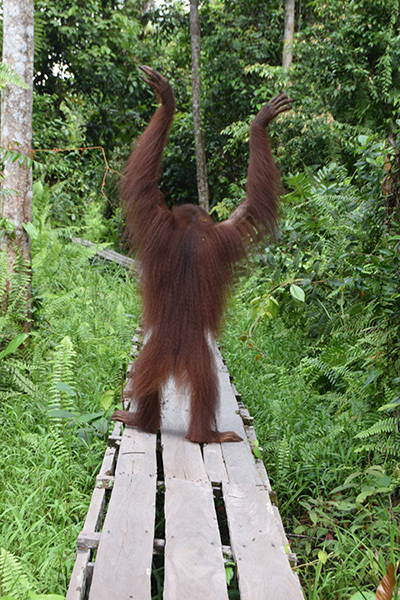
{"points": [[85, 316], [343, 541]]}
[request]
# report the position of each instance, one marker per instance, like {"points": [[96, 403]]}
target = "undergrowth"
{"points": [[57, 388], [312, 341]]}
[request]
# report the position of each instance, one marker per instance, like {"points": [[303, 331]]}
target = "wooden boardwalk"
{"points": [[109, 255], [164, 503]]}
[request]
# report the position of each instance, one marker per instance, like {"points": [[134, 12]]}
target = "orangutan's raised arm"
{"points": [[257, 215], [140, 193]]}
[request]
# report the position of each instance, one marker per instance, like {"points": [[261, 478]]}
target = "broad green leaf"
{"points": [[64, 387], [322, 556], [106, 399], [58, 413], [14, 344], [297, 292], [31, 230], [366, 595], [88, 417]]}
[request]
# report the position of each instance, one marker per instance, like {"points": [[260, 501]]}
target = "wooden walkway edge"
{"points": [[215, 501], [108, 255]]}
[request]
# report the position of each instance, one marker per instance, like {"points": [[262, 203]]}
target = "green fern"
{"points": [[9, 76], [62, 376], [3, 273], [385, 426], [15, 284], [13, 581], [15, 373]]}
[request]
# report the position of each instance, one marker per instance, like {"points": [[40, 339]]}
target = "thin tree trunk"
{"points": [[16, 124], [201, 164], [288, 34]]}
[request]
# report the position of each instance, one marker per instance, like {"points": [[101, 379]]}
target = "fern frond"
{"points": [[384, 426], [16, 372], [3, 273], [62, 373], [60, 450], [9, 76], [13, 581]]}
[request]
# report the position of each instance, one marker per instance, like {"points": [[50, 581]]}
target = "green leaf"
{"points": [[106, 399], [365, 595], [31, 230], [297, 292], [257, 450], [271, 308], [229, 572], [58, 413], [88, 417], [362, 140], [14, 344], [322, 556], [64, 387]]}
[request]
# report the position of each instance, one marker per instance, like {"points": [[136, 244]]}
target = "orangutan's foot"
{"points": [[216, 437], [130, 419]]}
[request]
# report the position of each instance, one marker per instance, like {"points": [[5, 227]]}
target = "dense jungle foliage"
{"points": [[312, 337]]}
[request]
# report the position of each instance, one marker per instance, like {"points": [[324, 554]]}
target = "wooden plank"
{"points": [[194, 566], [78, 581], [181, 458], [124, 557], [214, 463], [95, 512], [263, 568], [108, 254]]}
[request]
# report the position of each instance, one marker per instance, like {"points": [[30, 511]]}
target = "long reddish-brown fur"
{"points": [[187, 265]]}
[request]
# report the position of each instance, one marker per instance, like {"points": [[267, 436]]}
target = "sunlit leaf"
{"points": [[61, 386], [229, 572], [363, 595], [322, 556], [106, 399], [14, 344], [58, 413], [297, 292]]}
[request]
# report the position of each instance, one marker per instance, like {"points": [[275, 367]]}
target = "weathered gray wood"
{"points": [[78, 581], [79, 578], [263, 568], [94, 515], [182, 459], [124, 557], [214, 463], [194, 566], [88, 541], [109, 255]]}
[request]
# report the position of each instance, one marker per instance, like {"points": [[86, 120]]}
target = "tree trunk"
{"points": [[288, 34], [201, 164], [16, 124]]}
